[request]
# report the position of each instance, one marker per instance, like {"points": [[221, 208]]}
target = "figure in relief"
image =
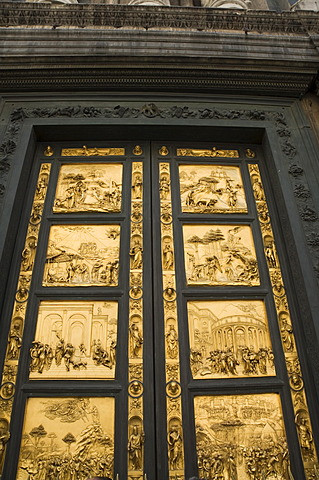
{"points": [[4, 438], [135, 445], [286, 332], [211, 189], [168, 257], [15, 342], [305, 435], [164, 187], [136, 254], [172, 342], [136, 340], [137, 187], [175, 445], [28, 254]]}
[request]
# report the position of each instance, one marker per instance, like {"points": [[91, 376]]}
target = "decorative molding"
{"points": [[182, 18], [137, 77]]}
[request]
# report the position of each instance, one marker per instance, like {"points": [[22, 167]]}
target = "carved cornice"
{"points": [[18, 14], [189, 79]]}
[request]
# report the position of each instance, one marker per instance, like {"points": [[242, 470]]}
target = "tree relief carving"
{"points": [[66, 435], [220, 255]]}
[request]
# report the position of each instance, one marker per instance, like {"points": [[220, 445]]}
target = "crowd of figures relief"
{"points": [[229, 338], [211, 189], [75, 340], [241, 438], [67, 438], [220, 255], [82, 255], [89, 188]]}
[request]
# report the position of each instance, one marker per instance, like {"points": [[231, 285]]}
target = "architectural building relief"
{"points": [[211, 189], [82, 255], [89, 188], [220, 255], [67, 438], [241, 437], [74, 340], [229, 338]]}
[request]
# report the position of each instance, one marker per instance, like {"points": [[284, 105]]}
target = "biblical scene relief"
{"points": [[241, 438], [74, 340], [67, 438], [229, 339], [220, 255], [211, 189], [82, 255], [89, 188]]}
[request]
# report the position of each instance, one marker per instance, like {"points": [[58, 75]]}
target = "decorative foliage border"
{"points": [[302, 193]]}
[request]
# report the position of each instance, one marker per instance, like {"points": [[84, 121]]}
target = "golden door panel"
{"points": [[220, 255], [74, 340], [82, 255], [89, 188], [229, 338], [62, 436], [241, 437], [211, 189]]}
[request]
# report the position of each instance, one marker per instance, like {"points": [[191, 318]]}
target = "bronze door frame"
{"points": [[156, 450]]}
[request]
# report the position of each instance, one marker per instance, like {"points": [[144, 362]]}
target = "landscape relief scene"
{"points": [[89, 188], [241, 437], [229, 338], [67, 438], [220, 255], [211, 189], [82, 255], [74, 340]]}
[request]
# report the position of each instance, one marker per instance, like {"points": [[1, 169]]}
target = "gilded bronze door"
{"points": [[151, 334]]}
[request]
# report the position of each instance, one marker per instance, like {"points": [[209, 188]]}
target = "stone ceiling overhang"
{"points": [[92, 46]]}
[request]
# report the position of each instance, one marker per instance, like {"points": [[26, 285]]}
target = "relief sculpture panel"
{"points": [[241, 437], [82, 255], [211, 189], [67, 438], [89, 188], [74, 340], [220, 255], [229, 339]]}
